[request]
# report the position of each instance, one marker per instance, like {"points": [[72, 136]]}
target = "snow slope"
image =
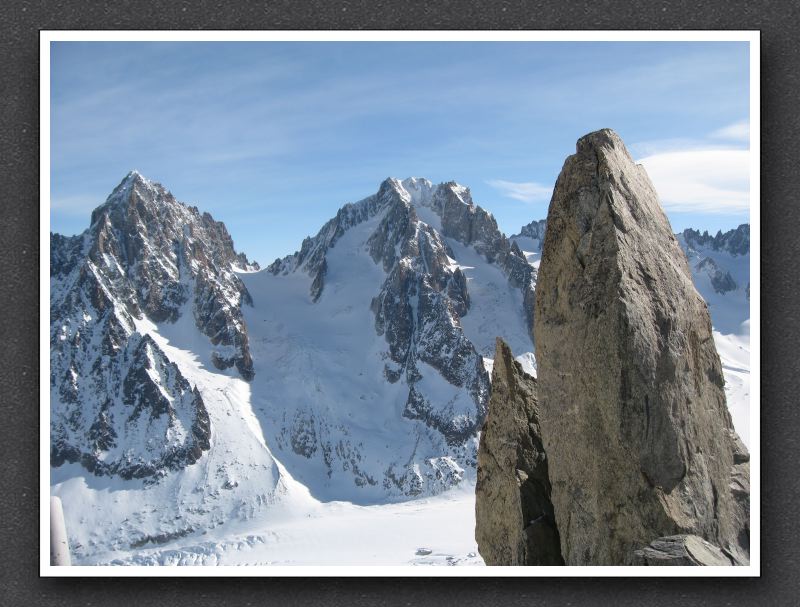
{"points": [[427, 531], [237, 479]]}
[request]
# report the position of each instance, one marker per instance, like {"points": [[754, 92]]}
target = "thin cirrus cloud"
{"points": [[738, 131], [528, 191]]}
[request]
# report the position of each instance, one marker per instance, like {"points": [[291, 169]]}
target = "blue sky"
{"points": [[272, 138]]}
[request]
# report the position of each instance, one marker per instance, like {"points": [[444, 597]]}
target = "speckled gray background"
{"points": [[19, 255]]}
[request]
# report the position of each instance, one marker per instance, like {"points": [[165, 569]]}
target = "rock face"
{"points": [[515, 524], [677, 550], [118, 404], [639, 440]]}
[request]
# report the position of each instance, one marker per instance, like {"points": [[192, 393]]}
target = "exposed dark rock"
{"points": [[736, 241], [631, 400], [421, 321], [514, 523], [173, 431], [118, 404], [721, 280]]}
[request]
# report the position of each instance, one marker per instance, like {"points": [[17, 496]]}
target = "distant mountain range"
{"points": [[355, 369]]}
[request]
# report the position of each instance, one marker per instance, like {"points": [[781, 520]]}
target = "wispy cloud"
{"points": [[528, 191], [701, 181], [738, 131]]}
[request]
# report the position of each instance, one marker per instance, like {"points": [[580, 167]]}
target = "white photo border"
{"points": [[753, 37]]}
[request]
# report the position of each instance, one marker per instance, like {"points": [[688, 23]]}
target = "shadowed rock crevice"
{"points": [[515, 523]]}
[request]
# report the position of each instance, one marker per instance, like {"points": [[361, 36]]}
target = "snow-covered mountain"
{"points": [[720, 267], [200, 390], [151, 425], [374, 337], [721, 270], [119, 404], [202, 404]]}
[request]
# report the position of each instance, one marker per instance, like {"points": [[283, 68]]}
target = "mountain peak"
{"points": [[421, 192], [600, 138], [133, 186], [135, 177]]}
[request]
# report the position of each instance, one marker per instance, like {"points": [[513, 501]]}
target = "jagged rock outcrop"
{"points": [[721, 280], [534, 230], [418, 311], [632, 408], [681, 550], [118, 404], [151, 254], [735, 242], [515, 523], [149, 419]]}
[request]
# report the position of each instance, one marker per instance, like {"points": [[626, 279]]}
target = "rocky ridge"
{"points": [[534, 230], [735, 242]]}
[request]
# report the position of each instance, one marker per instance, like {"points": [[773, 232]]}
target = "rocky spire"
{"points": [[639, 440], [515, 524]]}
